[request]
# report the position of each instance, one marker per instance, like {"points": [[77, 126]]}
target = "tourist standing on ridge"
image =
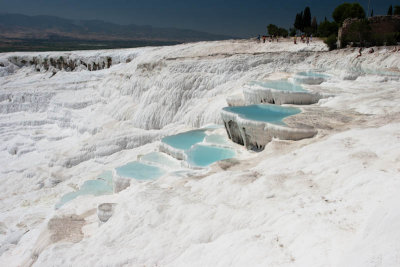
{"points": [[359, 53]]}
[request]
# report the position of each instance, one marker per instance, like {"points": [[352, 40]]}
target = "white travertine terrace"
{"points": [[255, 135], [327, 201], [309, 79], [257, 95], [174, 152]]}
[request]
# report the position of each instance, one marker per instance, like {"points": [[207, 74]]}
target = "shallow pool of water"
{"points": [[202, 155], [160, 158], [266, 113], [216, 139], [312, 74], [106, 176], [281, 85], [97, 187], [139, 171], [185, 140]]}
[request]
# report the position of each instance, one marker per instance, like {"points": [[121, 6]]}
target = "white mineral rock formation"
{"points": [[330, 200], [259, 95], [120, 183], [255, 135], [105, 211], [310, 80], [174, 152]]}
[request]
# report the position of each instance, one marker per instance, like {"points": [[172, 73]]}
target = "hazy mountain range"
{"points": [[35, 31]]}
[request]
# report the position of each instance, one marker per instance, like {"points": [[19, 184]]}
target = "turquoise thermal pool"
{"points": [[265, 113], [310, 77], [139, 171], [100, 186], [216, 139], [312, 74], [185, 140], [202, 155], [161, 159], [281, 85]]}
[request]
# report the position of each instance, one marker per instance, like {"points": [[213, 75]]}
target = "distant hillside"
{"points": [[22, 32]]}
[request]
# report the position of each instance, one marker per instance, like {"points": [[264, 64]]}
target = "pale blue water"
{"points": [[185, 140], [216, 139], [106, 176], [160, 158], [202, 156], [313, 74], [139, 171], [213, 126], [282, 85], [266, 113], [97, 187]]}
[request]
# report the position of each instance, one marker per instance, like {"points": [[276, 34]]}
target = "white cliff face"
{"points": [[310, 202]]}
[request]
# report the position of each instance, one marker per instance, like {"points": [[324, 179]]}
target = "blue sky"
{"points": [[234, 17]]}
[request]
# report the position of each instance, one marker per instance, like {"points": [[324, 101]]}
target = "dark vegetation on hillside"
{"points": [[359, 34]]}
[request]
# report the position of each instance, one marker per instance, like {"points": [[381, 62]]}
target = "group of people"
{"points": [[264, 38], [303, 39]]}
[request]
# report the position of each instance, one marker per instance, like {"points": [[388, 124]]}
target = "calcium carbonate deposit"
{"points": [[70, 120]]}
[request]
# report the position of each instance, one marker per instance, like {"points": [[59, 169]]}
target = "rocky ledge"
{"points": [[261, 95], [255, 135]]}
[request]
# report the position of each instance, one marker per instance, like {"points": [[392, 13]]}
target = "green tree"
{"points": [[390, 11], [314, 25], [298, 23], [283, 32], [292, 31], [372, 13], [396, 10], [356, 11], [331, 41], [273, 29], [327, 28], [339, 12], [360, 31], [308, 30], [306, 18], [348, 10]]}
